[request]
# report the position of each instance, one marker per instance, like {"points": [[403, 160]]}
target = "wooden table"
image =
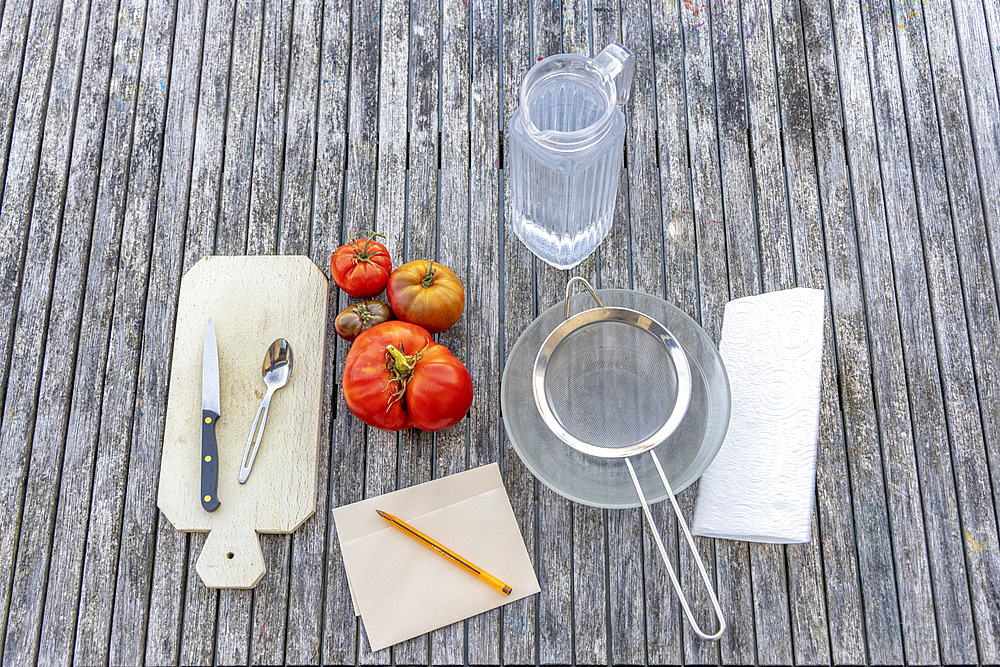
{"points": [[852, 147]]}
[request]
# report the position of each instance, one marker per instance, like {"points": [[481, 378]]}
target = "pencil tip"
{"points": [[380, 513]]}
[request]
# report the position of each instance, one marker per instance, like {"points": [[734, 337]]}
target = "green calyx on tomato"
{"points": [[400, 367], [364, 313], [366, 253]]}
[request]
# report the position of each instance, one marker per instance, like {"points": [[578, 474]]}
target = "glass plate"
{"points": [[605, 482]]}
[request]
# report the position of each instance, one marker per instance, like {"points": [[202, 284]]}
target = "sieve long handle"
{"points": [[691, 544], [569, 292]]}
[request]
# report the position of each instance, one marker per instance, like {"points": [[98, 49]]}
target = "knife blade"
{"points": [[210, 413]]}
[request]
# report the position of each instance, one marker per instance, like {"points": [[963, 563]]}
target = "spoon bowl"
{"points": [[277, 365], [276, 371]]}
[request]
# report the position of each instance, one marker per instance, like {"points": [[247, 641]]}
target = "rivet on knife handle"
{"points": [[209, 462]]}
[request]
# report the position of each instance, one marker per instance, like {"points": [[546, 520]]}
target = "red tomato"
{"points": [[396, 377], [361, 268]]}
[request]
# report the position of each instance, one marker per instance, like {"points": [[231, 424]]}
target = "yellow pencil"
{"points": [[445, 551]]}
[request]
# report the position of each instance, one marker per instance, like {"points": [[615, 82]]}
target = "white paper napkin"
{"points": [[402, 589], [760, 486]]}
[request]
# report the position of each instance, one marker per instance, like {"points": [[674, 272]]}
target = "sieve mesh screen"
{"points": [[611, 384]]}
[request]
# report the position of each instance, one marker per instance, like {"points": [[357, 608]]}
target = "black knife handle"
{"points": [[209, 462]]}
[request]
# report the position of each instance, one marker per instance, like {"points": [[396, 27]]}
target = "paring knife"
{"points": [[210, 413]]}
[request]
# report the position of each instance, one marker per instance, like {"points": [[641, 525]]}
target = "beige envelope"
{"points": [[401, 588]]}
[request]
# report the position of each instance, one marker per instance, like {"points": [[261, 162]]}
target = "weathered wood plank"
{"points": [[590, 577], [342, 66], [576, 28], [805, 598], [75, 496], [198, 627], [166, 586], [661, 138], [104, 533], [24, 141], [300, 129], [920, 634], [983, 105], [328, 215], [553, 513], [390, 25], [813, 622], [482, 276], [519, 626], [360, 201], [983, 325], [979, 68], [768, 562], [735, 28], [935, 345], [712, 279], [269, 134], [452, 446], [992, 18], [232, 638], [304, 615], [28, 571], [17, 181], [13, 39], [881, 614], [362, 139], [623, 599], [237, 166], [751, 578], [213, 98], [416, 448]]}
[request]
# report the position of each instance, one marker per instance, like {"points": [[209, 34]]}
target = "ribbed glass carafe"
{"points": [[566, 140]]}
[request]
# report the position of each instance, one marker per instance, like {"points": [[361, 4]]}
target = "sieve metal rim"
{"points": [[627, 316]]}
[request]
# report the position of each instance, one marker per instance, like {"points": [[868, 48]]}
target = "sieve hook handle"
{"points": [[694, 552], [569, 293]]}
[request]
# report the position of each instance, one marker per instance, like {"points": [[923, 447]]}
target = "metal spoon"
{"points": [[276, 371]]}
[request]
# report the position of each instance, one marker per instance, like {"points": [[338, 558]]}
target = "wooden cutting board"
{"points": [[252, 301]]}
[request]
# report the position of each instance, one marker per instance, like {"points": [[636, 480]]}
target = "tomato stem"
{"points": [[400, 367], [428, 279], [362, 254]]}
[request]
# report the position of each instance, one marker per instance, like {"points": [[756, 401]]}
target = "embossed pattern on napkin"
{"points": [[760, 486]]}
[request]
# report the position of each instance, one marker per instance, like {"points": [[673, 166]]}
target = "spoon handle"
{"points": [[248, 455]]}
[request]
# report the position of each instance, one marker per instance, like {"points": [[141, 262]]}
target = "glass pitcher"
{"points": [[566, 139]]}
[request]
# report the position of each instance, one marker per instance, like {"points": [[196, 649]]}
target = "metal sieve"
{"points": [[614, 383]]}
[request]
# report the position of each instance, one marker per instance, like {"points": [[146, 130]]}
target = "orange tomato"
{"points": [[426, 293]]}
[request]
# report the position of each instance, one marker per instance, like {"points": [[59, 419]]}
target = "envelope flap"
{"points": [[359, 519]]}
